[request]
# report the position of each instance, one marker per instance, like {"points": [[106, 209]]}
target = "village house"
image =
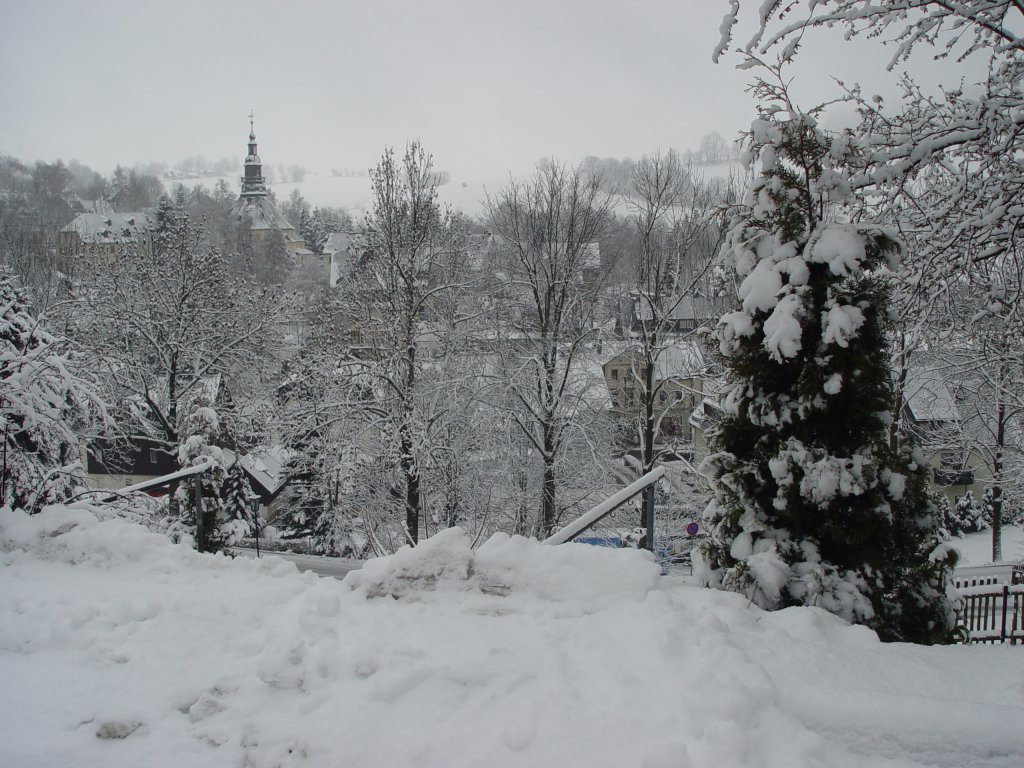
{"points": [[679, 383], [94, 240], [953, 418], [685, 314]]}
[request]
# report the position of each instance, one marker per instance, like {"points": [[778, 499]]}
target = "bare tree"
{"points": [[679, 229], [394, 291], [549, 227], [163, 322]]}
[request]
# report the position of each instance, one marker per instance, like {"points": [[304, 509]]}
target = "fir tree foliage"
{"points": [[41, 400], [813, 505], [304, 500], [968, 516], [239, 520]]}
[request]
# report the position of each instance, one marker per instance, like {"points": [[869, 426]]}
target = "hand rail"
{"points": [[609, 505]]}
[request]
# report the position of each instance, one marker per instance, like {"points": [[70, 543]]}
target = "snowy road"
{"points": [[336, 567]]}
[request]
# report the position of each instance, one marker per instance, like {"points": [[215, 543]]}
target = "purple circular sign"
{"points": [[692, 529]]}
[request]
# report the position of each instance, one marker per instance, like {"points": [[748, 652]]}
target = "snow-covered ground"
{"points": [[118, 648], [976, 548]]}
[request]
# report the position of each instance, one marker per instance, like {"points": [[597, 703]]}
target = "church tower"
{"points": [[253, 184], [256, 207]]}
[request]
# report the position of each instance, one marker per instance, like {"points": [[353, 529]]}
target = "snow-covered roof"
{"points": [[681, 359], [956, 404], [266, 466], [707, 414], [928, 397], [262, 214], [340, 242], [688, 308], [98, 228]]}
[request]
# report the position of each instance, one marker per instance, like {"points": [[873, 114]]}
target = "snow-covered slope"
{"points": [[118, 648]]}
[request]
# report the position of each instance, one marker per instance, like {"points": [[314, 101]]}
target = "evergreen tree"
{"points": [[239, 520], [41, 400], [968, 516], [166, 226], [987, 509], [815, 502], [294, 208], [303, 499], [944, 512], [271, 263], [306, 227]]}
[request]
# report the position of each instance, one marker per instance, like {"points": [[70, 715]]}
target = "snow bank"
{"points": [[510, 566], [118, 648]]}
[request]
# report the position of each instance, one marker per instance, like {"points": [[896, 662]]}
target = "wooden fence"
{"points": [[992, 613]]}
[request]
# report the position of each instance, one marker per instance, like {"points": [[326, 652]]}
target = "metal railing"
{"points": [[992, 613], [644, 484]]}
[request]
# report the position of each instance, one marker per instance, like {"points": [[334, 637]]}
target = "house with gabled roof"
{"points": [[98, 239], [142, 455], [679, 380], [685, 314], [948, 413]]}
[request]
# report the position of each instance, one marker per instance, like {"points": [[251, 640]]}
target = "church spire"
{"points": [[253, 184]]}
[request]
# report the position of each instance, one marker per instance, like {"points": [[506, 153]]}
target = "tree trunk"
{"points": [[412, 487], [547, 502], [997, 482], [649, 426]]}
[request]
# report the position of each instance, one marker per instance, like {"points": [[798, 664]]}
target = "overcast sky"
{"points": [[489, 87]]}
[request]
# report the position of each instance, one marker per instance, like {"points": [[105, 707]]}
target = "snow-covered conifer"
{"points": [[239, 519], [813, 505], [41, 400], [303, 499], [965, 516], [944, 513]]}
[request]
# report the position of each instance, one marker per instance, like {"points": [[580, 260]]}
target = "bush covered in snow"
{"points": [[967, 515], [813, 505]]}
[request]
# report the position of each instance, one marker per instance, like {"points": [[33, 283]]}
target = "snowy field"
{"points": [[118, 648], [353, 192]]}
